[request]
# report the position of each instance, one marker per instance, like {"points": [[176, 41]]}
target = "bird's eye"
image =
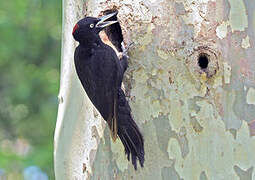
{"points": [[91, 26]]}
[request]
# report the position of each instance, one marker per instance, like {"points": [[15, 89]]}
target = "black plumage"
{"points": [[101, 72]]}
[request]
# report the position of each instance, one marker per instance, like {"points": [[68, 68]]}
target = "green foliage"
{"points": [[29, 80]]}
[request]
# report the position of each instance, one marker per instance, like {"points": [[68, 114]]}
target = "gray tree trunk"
{"points": [[198, 119]]}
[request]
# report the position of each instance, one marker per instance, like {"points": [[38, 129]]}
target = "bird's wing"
{"points": [[117, 83], [111, 69], [99, 75], [114, 125]]}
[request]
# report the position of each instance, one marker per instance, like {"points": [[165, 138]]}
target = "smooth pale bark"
{"points": [[79, 126], [197, 124]]}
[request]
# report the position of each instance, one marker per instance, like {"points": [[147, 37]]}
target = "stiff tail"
{"points": [[128, 131]]}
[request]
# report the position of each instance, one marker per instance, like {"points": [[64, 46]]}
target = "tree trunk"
{"points": [[191, 87]]}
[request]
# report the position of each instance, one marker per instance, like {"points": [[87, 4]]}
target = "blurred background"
{"points": [[30, 43]]}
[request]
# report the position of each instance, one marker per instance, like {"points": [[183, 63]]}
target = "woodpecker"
{"points": [[101, 73]]}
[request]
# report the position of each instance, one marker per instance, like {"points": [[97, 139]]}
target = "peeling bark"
{"points": [[198, 123]]}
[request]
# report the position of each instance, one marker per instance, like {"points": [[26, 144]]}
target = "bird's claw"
{"points": [[124, 49]]}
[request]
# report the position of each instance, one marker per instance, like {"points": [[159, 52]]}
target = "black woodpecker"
{"points": [[101, 72]]}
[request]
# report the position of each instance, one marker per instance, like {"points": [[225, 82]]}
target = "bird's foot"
{"points": [[125, 49]]}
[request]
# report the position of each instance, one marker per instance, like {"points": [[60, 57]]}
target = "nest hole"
{"points": [[203, 61], [114, 32]]}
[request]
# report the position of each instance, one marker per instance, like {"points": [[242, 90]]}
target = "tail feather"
{"points": [[127, 147], [128, 132]]}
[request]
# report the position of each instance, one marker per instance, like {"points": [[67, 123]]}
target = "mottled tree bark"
{"points": [[191, 87]]}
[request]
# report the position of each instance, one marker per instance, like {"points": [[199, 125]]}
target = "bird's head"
{"points": [[88, 28]]}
